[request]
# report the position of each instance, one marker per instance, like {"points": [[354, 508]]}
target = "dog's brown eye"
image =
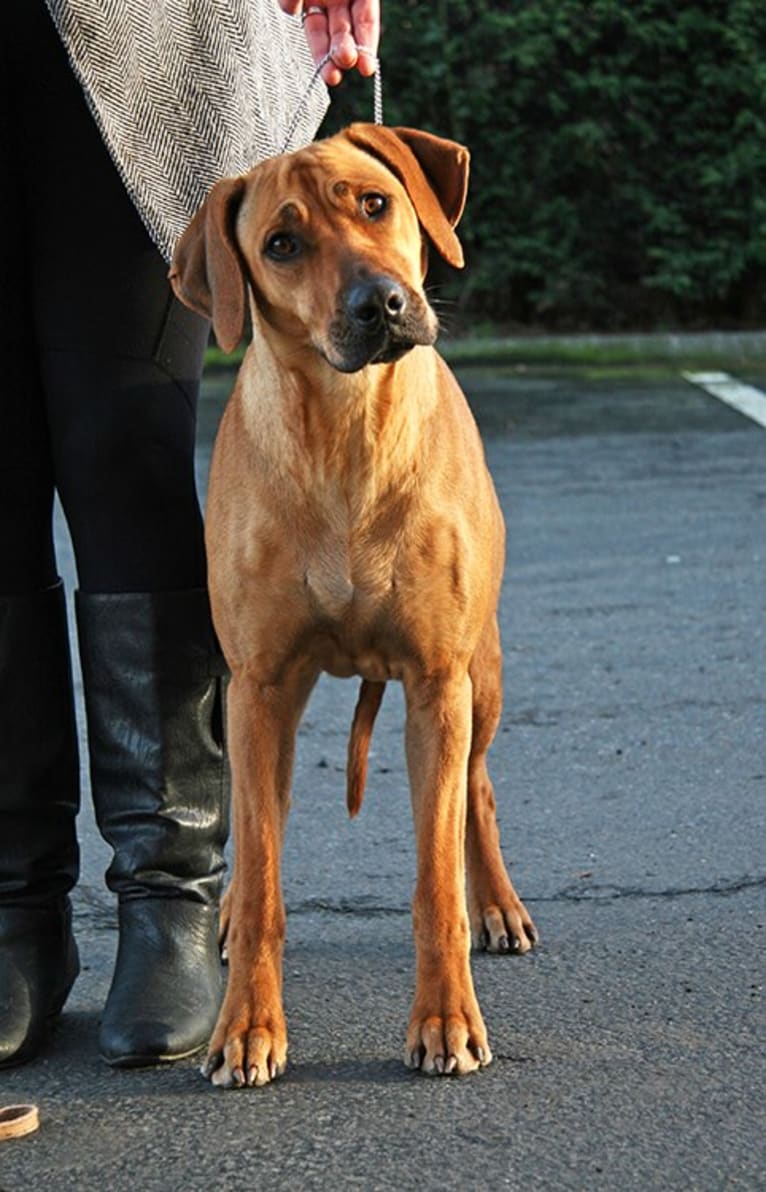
{"points": [[373, 205], [282, 246]]}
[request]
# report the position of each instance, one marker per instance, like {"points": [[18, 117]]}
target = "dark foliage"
{"points": [[618, 153]]}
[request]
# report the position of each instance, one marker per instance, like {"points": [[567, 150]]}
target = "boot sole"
{"points": [[151, 1061]]}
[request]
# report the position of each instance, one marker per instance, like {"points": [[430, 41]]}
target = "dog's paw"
{"points": [[442, 1044], [504, 926], [246, 1056]]}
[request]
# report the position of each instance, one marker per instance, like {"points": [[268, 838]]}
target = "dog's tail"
{"points": [[370, 696]]}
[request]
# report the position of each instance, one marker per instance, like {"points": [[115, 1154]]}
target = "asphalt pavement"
{"points": [[630, 770]]}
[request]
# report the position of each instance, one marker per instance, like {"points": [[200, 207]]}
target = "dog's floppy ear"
{"points": [[434, 172], [206, 271]]}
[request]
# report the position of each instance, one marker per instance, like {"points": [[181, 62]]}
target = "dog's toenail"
{"points": [[211, 1063]]}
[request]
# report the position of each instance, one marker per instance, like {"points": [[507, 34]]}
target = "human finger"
{"points": [[365, 27], [342, 44], [317, 33]]}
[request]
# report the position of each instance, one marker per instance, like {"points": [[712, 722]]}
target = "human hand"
{"points": [[337, 27]]}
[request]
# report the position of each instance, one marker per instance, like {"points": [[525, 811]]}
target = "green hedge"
{"points": [[618, 153]]}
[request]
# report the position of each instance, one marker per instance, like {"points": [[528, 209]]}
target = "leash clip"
{"points": [[377, 97]]}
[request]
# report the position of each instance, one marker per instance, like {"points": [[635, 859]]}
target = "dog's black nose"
{"points": [[374, 302]]}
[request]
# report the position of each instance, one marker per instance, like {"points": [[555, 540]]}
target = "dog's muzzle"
{"points": [[377, 303], [378, 321]]}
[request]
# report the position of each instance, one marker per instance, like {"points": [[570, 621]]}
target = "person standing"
{"points": [[115, 120]]}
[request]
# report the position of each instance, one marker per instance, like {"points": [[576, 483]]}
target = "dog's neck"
{"points": [[334, 427]]}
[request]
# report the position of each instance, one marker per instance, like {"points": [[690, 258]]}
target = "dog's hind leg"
{"points": [[224, 919], [499, 920]]}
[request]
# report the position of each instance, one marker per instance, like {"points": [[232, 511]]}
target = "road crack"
{"points": [[605, 892], [93, 909]]}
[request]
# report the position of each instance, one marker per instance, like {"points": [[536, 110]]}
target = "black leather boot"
{"points": [[39, 800], [153, 676]]}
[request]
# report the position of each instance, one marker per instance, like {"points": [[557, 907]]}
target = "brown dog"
{"points": [[352, 527]]}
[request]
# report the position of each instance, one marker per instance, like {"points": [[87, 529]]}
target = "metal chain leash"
{"points": [[377, 99]]}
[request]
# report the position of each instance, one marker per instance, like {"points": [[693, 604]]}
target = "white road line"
{"points": [[745, 398]]}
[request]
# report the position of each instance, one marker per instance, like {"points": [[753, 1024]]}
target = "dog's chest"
{"points": [[329, 587], [348, 557], [346, 587], [344, 620]]}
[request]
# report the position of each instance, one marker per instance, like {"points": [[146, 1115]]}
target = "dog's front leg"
{"points": [[249, 1044], [446, 1032]]}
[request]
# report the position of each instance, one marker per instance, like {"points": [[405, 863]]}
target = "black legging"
{"points": [[100, 364]]}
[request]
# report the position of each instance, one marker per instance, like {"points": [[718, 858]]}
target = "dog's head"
{"points": [[330, 242]]}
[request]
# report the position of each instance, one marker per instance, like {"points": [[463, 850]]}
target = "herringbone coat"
{"points": [[187, 91]]}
